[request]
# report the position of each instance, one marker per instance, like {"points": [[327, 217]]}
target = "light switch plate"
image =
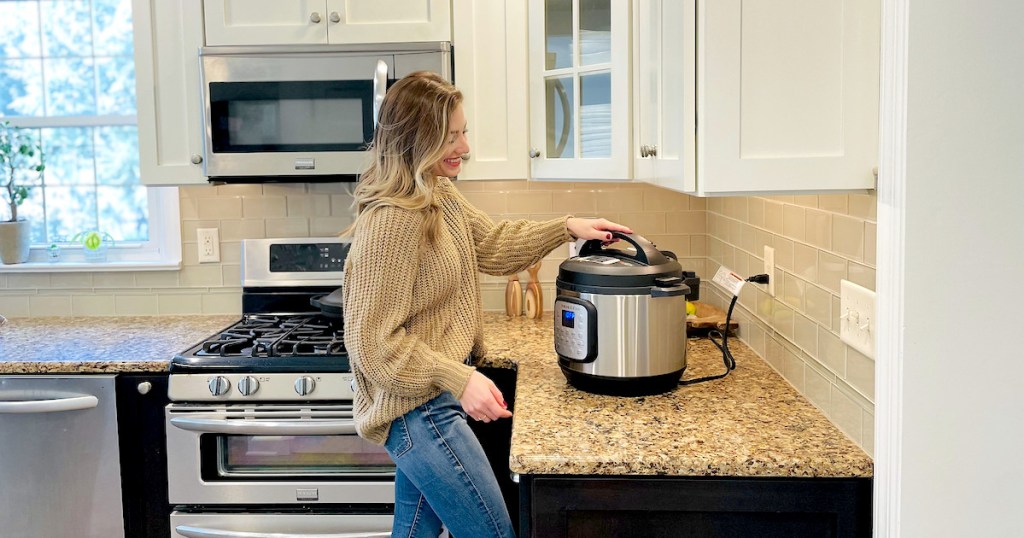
{"points": [[857, 317]]}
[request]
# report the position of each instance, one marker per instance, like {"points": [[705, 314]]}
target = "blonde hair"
{"points": [[411, 137]]}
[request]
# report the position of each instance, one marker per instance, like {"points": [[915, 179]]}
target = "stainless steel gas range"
{"points": [[260, 436]]}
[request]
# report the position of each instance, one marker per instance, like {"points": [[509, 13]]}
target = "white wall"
{"points": [[963, 391]]}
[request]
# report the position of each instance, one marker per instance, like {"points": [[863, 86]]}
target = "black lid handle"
{"points": [[646, 252]]}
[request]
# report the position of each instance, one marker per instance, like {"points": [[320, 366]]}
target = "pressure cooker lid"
{"points": [[599, 266]]}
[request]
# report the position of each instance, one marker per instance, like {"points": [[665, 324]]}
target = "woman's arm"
{"points": [[379, 279]]}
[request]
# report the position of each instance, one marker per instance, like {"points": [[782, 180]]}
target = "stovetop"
{"points": [[260, 343]]}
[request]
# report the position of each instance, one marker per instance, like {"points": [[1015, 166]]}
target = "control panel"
{"points": [[260, 387], [575, 329]]}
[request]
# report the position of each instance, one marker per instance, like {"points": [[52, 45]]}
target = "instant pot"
{"points": [[620, 318]]}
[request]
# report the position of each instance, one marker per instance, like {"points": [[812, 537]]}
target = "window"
{"points": [[67, 71]]}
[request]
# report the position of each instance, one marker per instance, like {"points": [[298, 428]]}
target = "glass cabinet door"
{"points": [[579, 89]]}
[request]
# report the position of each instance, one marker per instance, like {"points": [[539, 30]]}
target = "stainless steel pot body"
{"points": [[638, 336]]}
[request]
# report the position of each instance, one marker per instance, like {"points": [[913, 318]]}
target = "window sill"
{"points": [[90, 267]]}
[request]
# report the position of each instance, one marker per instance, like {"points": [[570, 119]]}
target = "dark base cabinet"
{"points": [[496, 439], [141, 436], [713, 507]]}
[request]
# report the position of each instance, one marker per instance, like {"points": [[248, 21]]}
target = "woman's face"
{"points": [[456, 146]]}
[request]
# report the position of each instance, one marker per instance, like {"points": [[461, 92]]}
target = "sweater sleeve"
{"points": [[379, 277], [511, 246]]}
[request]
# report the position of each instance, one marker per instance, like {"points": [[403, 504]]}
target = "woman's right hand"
{"points": [[482, 400]]}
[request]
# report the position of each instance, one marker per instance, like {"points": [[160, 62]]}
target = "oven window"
{"points": [[308, 116], [268, 456]]}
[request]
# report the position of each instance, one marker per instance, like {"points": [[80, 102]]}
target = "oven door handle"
{"points": [[380, 86], [267, 427], [200, 532]]}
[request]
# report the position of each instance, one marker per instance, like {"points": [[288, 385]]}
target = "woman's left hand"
{"points": [[594, 228]]}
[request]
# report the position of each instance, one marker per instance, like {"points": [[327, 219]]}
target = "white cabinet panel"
{"points": [[490, 68], [664, 100], [282, 22], [265, 22], [787, 95], [167, 40], [389, 21]]}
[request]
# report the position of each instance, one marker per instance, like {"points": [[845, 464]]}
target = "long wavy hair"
{"points": [[411, 137]]}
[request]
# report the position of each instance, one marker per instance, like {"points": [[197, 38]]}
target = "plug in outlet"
{"points": [[857, 317], [769, 268], [209, 245]]}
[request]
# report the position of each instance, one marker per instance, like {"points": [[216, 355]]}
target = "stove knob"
{"points": [[352, 385], [304, 385], [219, 385], [248, 385]]}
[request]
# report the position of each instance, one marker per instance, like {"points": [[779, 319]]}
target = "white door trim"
{"points": [[892, 175]]}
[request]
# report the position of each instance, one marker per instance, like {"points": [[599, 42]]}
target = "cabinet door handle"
{"points": [[334, 17], [74, 403], [314, 17], [534, 153], [648, 151]]}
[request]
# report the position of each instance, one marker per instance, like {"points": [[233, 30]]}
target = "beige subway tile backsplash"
{"points": [[818, 240]]}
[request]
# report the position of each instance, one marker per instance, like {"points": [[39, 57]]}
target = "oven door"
{"points": [[279, 525], [273, 454]]}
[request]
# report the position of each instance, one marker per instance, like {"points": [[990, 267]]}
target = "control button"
{"points": [[219, 385], [248, 385], [304, 385]]}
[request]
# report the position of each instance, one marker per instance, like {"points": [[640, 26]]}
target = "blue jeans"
{"points": [[443, 475]]}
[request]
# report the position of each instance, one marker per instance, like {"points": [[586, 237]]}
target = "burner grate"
{"points": [[278, 336]]}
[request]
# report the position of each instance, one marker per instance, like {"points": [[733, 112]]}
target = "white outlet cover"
{"points": [[857, 317], [209, 245]]}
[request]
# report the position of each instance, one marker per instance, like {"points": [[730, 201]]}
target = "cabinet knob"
{"points": [[197, 158], [534, 153], [334, 17], [648, 151], [465, 156], [144, 387], [314, 17]]}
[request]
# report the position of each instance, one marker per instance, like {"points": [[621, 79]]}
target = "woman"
{"points": [[413, 313]]}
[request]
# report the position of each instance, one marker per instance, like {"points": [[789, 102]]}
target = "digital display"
{"points": [[568, 318], [308, 257]]}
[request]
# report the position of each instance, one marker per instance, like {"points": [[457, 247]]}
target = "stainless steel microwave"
{"points": [[300, 113]]}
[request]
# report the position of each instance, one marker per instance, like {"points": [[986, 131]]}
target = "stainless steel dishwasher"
{"points": [[60, 474]]}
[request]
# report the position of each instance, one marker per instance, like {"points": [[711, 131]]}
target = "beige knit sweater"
{"points": [[412, 309]]}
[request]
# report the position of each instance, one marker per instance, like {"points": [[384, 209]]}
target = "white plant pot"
{"points": [[15, 240]]}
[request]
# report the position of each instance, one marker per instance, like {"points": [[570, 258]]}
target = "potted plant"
{"points": [[21, 158]]}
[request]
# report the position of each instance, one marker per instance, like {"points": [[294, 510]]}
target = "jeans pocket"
{"points": [[399, 442]]}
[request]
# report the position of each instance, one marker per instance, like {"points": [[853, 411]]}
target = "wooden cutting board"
{"points": [[709, 317]]}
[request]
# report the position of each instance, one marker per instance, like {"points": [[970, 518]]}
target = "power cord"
{"points": [[723, 346]]}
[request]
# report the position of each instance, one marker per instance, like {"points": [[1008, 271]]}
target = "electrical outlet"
{"points": [[209, 245], [857, 317], [769, 268]]}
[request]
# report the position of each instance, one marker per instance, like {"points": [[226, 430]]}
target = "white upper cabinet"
{"points": [[284, 22], [167, 40], [787, 95], [724, 96], [489, 43], [664, 86], [579, 69]]}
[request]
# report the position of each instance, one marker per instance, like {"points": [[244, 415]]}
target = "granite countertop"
{"points": [[89, 345], [751, 423]]}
